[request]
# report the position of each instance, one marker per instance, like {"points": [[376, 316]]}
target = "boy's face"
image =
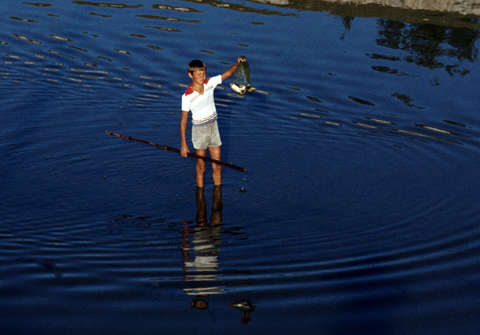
{"points": [[198, 76]]}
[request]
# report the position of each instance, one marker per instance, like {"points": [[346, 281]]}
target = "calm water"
{"points": [[359, 210]]}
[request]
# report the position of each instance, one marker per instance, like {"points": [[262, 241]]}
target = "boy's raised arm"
{"points": [[231, 70]]}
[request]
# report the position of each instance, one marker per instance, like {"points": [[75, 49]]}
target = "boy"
{"points": [[198, 98]]}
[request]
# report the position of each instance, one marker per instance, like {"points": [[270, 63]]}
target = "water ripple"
{"points": [[358, 209]]}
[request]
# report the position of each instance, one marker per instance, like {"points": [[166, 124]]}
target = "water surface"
{"points": [[358, 212]]}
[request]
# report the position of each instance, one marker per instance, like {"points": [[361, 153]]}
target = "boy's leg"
{"points": [[201, 206], [216, 217], [200, 170], [215, 153]]}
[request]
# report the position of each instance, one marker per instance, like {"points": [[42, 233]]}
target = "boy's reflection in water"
{"points": [[204, 240], [204, 266]]}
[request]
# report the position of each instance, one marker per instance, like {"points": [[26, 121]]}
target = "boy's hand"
{"points": [[184, 151], [231, 70]]}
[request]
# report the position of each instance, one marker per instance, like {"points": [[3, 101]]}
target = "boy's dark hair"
{"points": [[196, 65]]}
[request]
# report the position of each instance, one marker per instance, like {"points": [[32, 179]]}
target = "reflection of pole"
{"points": [[244, 306]]}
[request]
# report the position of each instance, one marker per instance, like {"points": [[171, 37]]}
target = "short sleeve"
{"points": [[217, 80]]}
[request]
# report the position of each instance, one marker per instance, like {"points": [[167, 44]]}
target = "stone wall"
{"points": [[466, 7]]}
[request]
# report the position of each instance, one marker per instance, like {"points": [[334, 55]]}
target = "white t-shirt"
{"points": [[201, 105]]}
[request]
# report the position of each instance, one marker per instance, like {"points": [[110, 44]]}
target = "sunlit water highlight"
{"points": [[359, 210]]}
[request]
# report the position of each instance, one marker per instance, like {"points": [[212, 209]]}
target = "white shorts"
{"points": [[206, 136]]}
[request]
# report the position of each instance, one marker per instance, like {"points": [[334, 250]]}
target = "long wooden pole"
{"points": [[177, 150]]}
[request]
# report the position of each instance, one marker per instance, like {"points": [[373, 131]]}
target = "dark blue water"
{"points": [[359, 210]]}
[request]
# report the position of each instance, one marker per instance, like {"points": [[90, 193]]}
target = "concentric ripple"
{"points": [[358, 211]]}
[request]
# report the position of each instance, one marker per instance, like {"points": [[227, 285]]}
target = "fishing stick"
{"points": [[176, 150]]}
